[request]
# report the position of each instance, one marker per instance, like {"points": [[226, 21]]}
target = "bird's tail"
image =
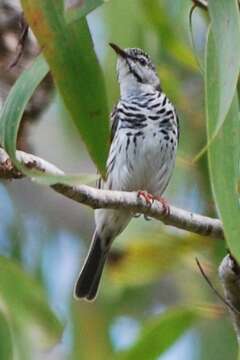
{"points": [[90, 275]]}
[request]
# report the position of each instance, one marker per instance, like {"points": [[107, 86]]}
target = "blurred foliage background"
{"points": [[153, 303]]}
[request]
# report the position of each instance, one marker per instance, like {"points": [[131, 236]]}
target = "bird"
{"points": [[144, 141]]}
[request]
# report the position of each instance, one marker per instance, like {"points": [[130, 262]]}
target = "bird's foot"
{"points": [[149, 198], [165, 204], [145, 216]]}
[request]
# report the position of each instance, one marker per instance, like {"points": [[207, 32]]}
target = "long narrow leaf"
{"points": [[6, 344], [71, 57], [29, 307], [15, 105], [11, 116], [16, 102], [225, 22], [160, 333], [224, 153], [77, 12]]}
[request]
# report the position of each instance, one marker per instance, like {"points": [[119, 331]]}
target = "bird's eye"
{"points": [[142, 61]]}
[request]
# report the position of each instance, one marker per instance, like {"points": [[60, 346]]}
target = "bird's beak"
{"points": [[119, 51]]}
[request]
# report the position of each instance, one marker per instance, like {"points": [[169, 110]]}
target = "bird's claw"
{"points": [[165, 205], [149, 198]]}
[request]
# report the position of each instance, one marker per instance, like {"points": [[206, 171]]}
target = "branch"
{"points": [[107, 199], [229, 273]]}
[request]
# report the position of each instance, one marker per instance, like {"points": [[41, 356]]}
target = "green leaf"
{"points": [[6, 345], [160, 333], [226, 32], [217, 340], [198, 46], [25, 304], [15, 104], [69, 179], [224, 153], [70, 54], [11, 116], [85, 7], [60, 6], [225, 24]]}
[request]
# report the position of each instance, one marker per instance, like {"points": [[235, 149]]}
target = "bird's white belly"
{"points": [[145, 166]]}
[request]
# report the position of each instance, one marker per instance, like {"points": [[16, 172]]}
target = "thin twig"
{"points": [[107, 199], [217, 293]]}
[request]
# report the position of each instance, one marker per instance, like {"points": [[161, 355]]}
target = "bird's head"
{"points": [[135, 70]]}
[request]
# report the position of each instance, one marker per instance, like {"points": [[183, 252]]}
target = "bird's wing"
{"points": [[114, 118]]}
